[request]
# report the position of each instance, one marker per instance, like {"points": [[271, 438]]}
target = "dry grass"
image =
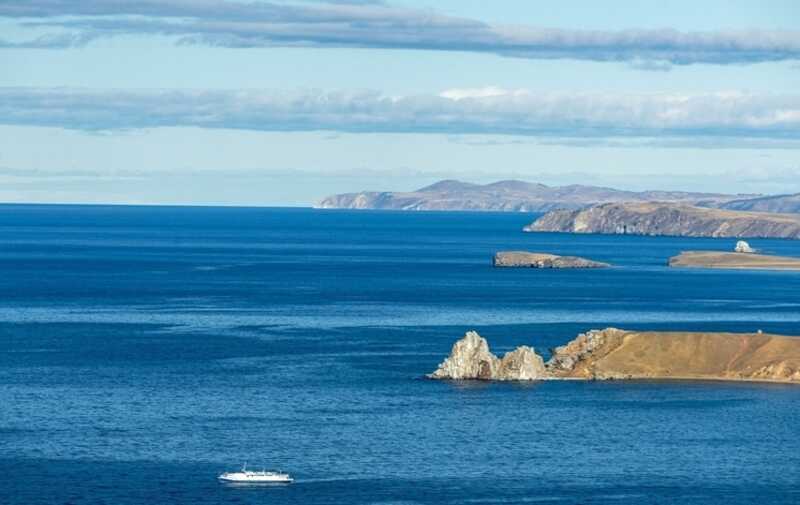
{"points": [[712, 259], [687, 355]]}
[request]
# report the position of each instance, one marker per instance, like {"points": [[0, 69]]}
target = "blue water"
{"points": [[144, 350]]}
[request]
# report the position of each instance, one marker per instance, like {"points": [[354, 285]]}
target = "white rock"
{"points": [[521, 364], [743, 247], [470, 358]]}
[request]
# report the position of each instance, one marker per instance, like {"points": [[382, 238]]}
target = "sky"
{"points": [[284, 102]]}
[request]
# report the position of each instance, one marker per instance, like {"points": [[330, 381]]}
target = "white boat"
{"points": [[264, 476]]}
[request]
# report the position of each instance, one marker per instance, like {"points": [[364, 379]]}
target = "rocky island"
{"points": [[736, 260], [674, 219], [524, 259], [471, 359], [620, 354]]}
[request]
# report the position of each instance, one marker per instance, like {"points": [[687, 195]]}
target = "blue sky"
{"points": [[281, 103]]}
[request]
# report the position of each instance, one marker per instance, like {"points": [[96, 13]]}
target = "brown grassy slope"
{"points": [[715, 259], [686, 355]]}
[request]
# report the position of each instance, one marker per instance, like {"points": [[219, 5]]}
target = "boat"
{"points": [[263, 476]]}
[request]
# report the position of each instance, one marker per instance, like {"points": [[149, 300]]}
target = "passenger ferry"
{"points": [[264, 476]]}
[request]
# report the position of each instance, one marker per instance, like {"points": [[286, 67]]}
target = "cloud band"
{"points": [[378, 25], [457, 111]]}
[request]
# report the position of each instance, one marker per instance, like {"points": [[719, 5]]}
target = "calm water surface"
{"points": [[144, 350]]}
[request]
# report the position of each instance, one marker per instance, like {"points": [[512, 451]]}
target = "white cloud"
{"points": [[380, 25], [485, 92], [454, 111]]}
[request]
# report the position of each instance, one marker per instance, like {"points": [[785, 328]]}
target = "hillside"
{"points": [[620, 354], [674, 219], [614, 354], [777, 203], [511, 195]]}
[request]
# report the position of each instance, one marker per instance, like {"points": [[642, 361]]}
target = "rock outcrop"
{"points": [[564, 359], [524, 259], [743, 247], [668, 219], [521, 364], [735, 260], [515, 196], [470, 358], [613, 353]]}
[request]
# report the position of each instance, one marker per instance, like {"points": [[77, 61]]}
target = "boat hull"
{"points": [[256, 479]]}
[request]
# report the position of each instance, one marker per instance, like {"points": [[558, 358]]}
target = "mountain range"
{"points": [[521, 196]]}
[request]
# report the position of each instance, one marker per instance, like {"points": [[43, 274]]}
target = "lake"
{"points": [[145, 350]]}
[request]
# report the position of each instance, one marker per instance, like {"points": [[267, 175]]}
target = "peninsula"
{"points": [[526, 259], [511, 195], [717, 259], [663, 218], [620, 354]]}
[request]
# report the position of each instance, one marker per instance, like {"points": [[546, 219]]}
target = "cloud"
{"points": [[485, 92], [51, 41], [728, 115], [379, 25]]}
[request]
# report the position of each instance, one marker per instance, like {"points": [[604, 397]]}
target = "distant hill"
{"points": [[511, 195], [777, 203], [673, 219]]}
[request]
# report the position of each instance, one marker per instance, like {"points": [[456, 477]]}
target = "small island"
{"points": [[734, 260], [620, 354], [524, 259]]}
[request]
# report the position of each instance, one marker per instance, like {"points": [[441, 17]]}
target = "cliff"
{"points": [[656, 218], [470, 358], [510, 195], [619, 354], [525, 259], [715, 259]]}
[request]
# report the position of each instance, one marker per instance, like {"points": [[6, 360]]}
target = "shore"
{"points": [[615, 354]]}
